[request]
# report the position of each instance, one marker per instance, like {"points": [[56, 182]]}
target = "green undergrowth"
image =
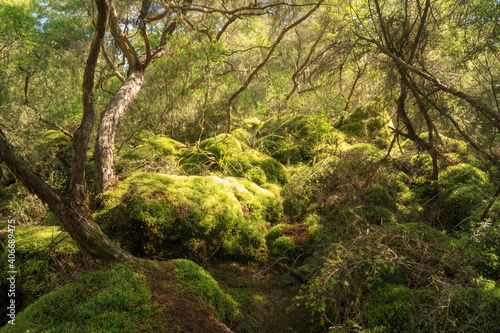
{"points": [[51, 157], [200, 282], [154, 154], [41, 254], [168, 216], [403, 278], [114, 299], [232, 158]]}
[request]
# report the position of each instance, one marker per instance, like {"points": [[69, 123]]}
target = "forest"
{"points": [[249, 166]]}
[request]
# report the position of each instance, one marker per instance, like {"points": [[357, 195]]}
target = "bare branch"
{"points": [[57, 126]]}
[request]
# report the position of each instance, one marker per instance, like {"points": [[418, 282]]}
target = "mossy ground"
{"points": [[46, 257], [139, 296], [363, 241]]}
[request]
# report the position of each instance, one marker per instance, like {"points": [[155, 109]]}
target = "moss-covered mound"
{"points": [[201, 283], [298, 139], [111, 300], [154, 214], [155, 153], [463, 189], [370, 123], [139, 296], [235, 159], [42, 253]]}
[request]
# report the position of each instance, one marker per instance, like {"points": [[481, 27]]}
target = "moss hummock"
{"points": [[235, 159], [165, 215], [201, 283], [111, 300]]}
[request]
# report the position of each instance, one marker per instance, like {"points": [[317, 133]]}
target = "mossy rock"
{"points": [[281, 246], [199, 282], [234, 159], [34, 247], [462, 174], [369, 152], [155, 214]]}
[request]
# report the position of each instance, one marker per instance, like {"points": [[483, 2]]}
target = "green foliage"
{"points": [[37, 249], [235, 159], [201, 283], [165, 215], [392, 309], [111, 300]]}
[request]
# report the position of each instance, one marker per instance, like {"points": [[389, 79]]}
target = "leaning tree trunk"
{"points": [[75, 217], [110, 119]]}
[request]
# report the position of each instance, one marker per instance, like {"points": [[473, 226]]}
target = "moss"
{"points": [[274, 233], [242, 136], [426, 233], [368, 122], [34, 247], [156, 214], [392, 309], [281, 246], [201, 283], [463, 189], [235, 159], [156, 153], [110, 300], [164, 145], [379, 215], [51, 156], [296, 140], [462, 174], [370, 152], [379, 196]]}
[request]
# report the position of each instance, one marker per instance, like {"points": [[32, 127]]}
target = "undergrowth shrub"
{"points": [[386, 278]]}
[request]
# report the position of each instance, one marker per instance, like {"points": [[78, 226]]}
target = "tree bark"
{"points": [[110, 120]]}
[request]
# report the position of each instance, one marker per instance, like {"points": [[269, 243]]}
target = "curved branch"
{"points": [[121, 41]]}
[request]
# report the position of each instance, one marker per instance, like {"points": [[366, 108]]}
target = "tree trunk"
{"points": [[110, 120]]}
